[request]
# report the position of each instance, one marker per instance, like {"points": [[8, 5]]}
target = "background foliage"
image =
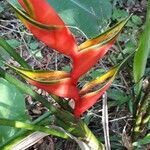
{"points": [[92, 17]]}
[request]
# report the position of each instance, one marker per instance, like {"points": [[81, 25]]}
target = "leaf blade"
{"points": [[9, 96], [28, 126], [142, 52], [83, 14]]}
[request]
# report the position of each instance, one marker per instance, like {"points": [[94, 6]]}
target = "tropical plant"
{"points": [[49, 28]]}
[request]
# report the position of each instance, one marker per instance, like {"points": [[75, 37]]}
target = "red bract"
{"points": [[89, 100], [85, 59], [56, 82], [60, 39], [62, 88], [42, 20], [87, 97]]}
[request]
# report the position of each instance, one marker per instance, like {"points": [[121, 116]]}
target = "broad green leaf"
{"points": [[144, 141], [142, 53], [44, 119], [12, 106], [89, 16], [1, 64], [3, 54], [120, 97]]}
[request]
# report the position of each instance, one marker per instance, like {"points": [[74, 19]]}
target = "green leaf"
{"points": [[96, 73], [120, 97], [66, 68], [118, 13], [136, 20], [33, 45], [89, 16], [14, 43], [1, 64], [143, 141], [3, 54], [45, 119], [21, 125], [1, 9], [12, 106], [142, 53]]}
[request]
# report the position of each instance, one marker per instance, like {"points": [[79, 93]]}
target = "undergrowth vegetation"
{"points": [[57, 86]]}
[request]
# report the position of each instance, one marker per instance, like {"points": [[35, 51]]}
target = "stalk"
{"points": [[24, 133], [143, 114]]}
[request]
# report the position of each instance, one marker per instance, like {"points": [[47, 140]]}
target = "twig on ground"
{"points": [[105, 122]]}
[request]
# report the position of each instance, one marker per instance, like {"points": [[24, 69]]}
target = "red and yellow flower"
{"points": [[45, 24]]}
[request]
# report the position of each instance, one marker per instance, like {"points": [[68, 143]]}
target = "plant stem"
{"points": [[62, 102], [23, 133], [19, 136], [143, 114], [32, 127]]}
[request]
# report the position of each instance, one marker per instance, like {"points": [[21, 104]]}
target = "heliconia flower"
{"points": [[94, 49], [54, 82], [43, 21]]}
